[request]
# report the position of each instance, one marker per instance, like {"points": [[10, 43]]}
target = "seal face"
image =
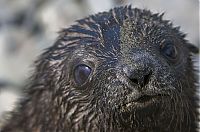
{"points": [[122, 70]]}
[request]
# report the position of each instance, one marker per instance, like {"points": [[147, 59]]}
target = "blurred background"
{"points": [[27, 27]]}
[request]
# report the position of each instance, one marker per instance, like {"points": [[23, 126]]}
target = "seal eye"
{"points": [[81, 73], [169, 50]]}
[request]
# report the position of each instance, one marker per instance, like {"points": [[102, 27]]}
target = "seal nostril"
{"points": [[134, 80], [147, 78]]}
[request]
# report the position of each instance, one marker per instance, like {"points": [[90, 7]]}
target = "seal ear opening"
{"points": [[193, 48]]}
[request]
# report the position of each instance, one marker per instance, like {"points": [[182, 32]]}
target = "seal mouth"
{"points": [[144, 101], [147, 98]]}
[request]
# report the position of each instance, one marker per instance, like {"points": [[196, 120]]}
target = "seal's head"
{"points": [[122, 70]]}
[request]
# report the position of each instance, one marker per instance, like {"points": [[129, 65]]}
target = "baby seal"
{"points": [[119, 71]]}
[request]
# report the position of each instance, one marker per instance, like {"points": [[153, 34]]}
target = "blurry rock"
{"points": [[8, 98], [17, 52]]}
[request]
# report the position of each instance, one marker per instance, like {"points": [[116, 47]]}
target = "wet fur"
{"points": [[109, 40]]}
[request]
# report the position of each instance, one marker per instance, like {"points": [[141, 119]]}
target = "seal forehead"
{"points": [[133, 34], [126, 28], [117, 31]]}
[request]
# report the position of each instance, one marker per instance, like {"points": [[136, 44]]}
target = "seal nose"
{"points": [[140, 78], [140, 73], [140, 67]]}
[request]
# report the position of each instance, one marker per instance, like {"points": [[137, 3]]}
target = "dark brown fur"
{"points": [[117, 45]]}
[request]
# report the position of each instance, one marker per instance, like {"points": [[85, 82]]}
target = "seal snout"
{"points": [[139, 72]]}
